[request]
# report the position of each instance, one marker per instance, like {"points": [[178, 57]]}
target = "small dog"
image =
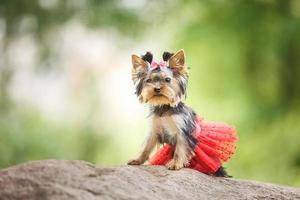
{"points": [[163, 86]]}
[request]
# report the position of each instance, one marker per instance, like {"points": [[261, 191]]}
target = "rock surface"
{"points": [[60, 179]]}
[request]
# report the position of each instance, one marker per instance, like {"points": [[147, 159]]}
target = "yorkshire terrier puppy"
{"points": [[163, 86]]}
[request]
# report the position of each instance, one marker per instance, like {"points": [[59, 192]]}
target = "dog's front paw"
{"points": [[174, 165], [135, 162]]}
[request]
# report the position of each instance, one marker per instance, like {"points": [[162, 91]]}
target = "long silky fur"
{"points": [[186, 113]]}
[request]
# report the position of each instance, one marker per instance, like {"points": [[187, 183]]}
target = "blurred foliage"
{"points": [[245, 69], [39, 17], [26, 135], [245, 56], [50, 14]]}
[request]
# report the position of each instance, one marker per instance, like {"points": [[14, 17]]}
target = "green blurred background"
{"points": [[66, 92]]}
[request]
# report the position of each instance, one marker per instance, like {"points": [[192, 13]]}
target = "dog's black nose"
{"points": [[157, 90]]}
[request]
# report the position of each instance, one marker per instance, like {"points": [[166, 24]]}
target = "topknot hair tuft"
{"points": [[148, 57], [167, 56]]}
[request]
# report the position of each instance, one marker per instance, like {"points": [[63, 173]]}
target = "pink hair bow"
{"points": [[155, 65]]}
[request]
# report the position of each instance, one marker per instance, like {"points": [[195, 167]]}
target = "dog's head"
{"points": [[161, 83]]}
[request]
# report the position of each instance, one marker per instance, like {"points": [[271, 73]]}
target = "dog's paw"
{"points": [[174, 165], [134, 162]]}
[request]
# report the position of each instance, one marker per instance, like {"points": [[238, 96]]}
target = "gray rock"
{"points": [[60, 179]]}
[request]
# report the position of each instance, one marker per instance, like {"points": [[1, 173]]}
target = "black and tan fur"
{"points": [[172, 122]]}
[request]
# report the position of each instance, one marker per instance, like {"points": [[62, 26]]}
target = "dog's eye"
{"points": [[168, 80], [148, 80]]}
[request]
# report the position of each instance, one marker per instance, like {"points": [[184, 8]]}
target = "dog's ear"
{"points": [[138, 62], [177, 62], [139, 67]]}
